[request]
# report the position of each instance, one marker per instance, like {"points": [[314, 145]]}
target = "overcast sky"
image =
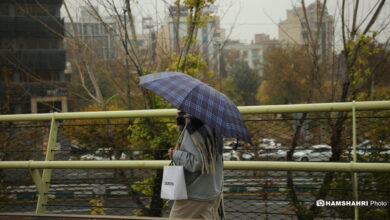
{"points": [[262, 16], [249, 17], [244, 18]]}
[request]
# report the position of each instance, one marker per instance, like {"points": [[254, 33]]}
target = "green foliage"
{"points": [[195, 65], [141, 136], [144, 186], [380, 132], [159, 134], [285, 76], [101, 133], [156, 137], [358, 52], [368, 182], [230, 91], [16, 137], [379, 135], [96, 207], [198, 3], [242, 84]]}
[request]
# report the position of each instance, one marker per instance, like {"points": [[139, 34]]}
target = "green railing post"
{"points": [[44, 184], [354, 174], [36, 176]]}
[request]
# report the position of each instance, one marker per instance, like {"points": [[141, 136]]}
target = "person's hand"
{"points": [[171, 151]]}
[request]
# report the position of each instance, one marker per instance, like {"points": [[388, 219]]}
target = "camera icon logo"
{"points": [[320, 203]]}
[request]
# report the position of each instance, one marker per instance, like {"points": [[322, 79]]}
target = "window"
{"points": [[89, 29], [245, 54], [96, 29], [255, 52], [46, 107], [84, 27]]}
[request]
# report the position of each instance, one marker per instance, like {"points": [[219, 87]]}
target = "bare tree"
{"points": [[135, 63], [354, 44]]}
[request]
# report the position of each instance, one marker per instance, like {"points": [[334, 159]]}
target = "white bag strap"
{"points": [[180, 139], [178, 143]]}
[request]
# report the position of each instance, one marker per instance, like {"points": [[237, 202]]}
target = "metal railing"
{"points": [[42, 182]]}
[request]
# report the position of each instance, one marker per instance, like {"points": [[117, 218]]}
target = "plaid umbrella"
{"points": [[200, 100]]}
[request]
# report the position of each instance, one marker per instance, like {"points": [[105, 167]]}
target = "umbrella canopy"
{"points": [[200, 100]]}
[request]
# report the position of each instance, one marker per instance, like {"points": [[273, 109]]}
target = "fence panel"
{"points": [[248, 194]]}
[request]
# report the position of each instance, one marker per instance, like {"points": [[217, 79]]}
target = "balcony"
{"points": [[37, 89], [46, 89], [31, 26], [34, 59]]}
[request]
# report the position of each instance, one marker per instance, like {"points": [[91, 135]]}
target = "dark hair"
{"points": [[198, 125], [194, 124], [180, 120]]}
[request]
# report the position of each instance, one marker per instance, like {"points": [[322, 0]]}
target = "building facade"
{"points": [[295, 30], [32, 58], [265, 41], [250, 53], [209, 36], [98, 39]]}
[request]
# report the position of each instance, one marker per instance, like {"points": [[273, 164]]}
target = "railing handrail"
{"points": [[229, 165], [317, 107], [42, 182]]}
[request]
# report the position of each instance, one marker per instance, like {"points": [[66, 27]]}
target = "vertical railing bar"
{"points": [[46, 173], [37, 179], [354, 174]]}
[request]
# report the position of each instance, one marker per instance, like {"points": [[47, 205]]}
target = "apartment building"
{"points": [[32, 58], [209, 36], [98, 39], [295, 30]]}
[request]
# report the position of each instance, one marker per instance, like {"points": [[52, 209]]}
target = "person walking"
{"points": [[200, 153]]}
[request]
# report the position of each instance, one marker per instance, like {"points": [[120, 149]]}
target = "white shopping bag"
{"points": [[173, 185]]}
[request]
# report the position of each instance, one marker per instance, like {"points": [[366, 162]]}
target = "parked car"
{"points": [[230, 154], [297, 149], [363, 149], [102, 154], [300, 148], [385, 155], [237, 151], [247, 155], [319, 152], [272, 153], [268, 142]]}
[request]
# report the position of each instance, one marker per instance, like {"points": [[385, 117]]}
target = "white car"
{"points": [[247, 155], [363, 149], [319, 152], [102, 154], [230, 154], [268, 142], [385, 155], [272, 153]]}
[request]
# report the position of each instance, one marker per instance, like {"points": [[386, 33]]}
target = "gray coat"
{"points": [[199, 186]]}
